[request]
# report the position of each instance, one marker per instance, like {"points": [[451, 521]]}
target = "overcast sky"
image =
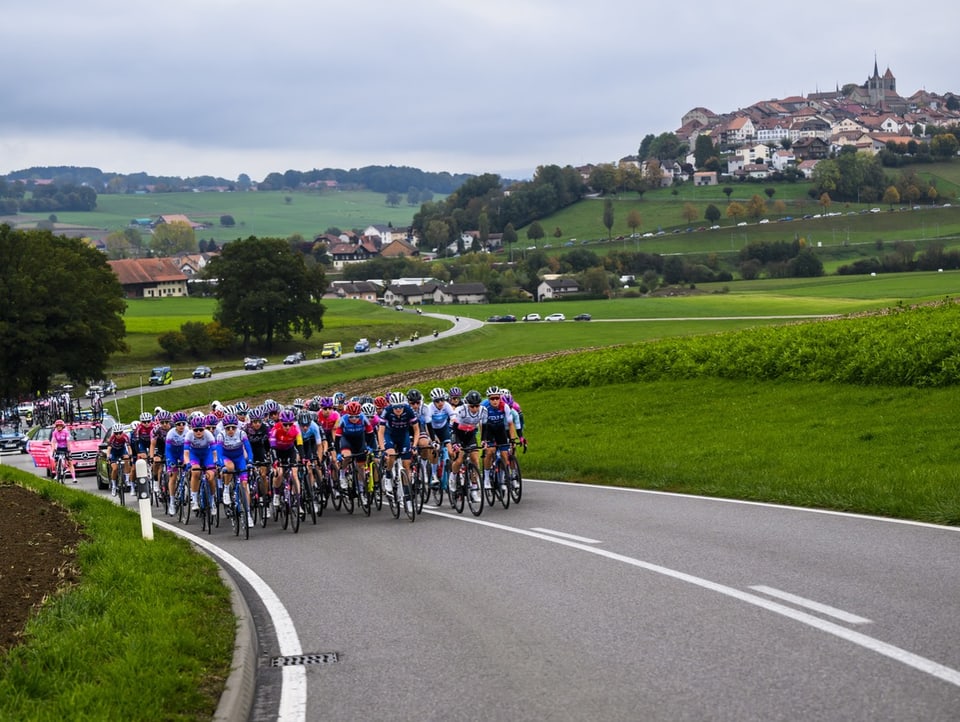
{"points": [[223, 87]]}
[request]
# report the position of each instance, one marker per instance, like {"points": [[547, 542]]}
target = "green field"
{"points": [[261, 214]]}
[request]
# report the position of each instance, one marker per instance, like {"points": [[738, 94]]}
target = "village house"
{"points": [[460, 293], [552, 288], [150, 277]]}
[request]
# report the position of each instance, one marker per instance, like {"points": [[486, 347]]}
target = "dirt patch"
{"points": [[39, 551]]}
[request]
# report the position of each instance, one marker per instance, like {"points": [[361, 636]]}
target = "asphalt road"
{"points": [[597, 603]]}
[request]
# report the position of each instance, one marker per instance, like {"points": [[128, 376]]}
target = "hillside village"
{"points": [[767, 137]]}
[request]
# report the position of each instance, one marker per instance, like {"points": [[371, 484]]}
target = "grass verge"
{"points": [[146, 634]]}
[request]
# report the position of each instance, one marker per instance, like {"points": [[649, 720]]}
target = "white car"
{"points": [[764, 220], [532, 317], [556, 317]]}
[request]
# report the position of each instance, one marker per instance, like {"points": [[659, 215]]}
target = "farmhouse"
{"points": [[150, 277]]}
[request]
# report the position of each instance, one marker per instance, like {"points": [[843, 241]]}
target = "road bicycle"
{"points": [[206, 501], [374, 479], [260, 500], [307, 490], [438, 489], [119, 486], [464, 486], [160, 493], [60, 470], [238, 506], [400, 496], [357, 488], [514, 477], [181, 498], [289, 506]]}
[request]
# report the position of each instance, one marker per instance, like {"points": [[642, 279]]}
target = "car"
{"points": [[874, 210], [254, 363], [202, 372], [11, 439], [556, 317], [292, 359], [742, 223], [583, 317], [361, 346], [398, 307], [104, 388], [332, 349], [763, 221], [714, 227], [86, 436], [569, 244], [532, 317], [494, 319], [508, 318], [161, 376]]}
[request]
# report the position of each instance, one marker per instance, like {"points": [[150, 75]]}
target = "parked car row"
{"points": [[103, 388], [508, 318]]}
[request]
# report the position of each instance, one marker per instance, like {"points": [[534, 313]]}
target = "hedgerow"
{"points": [[902, 346]]}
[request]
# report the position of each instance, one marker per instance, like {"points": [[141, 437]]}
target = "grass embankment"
{"points": [[147, 633]]}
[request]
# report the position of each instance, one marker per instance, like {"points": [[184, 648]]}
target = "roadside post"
{"points": [[143, 494]]}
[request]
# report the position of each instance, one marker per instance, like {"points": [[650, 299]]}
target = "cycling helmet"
{"points": [[116, 429], [214, 405], [197, 414], [438, 394], [304, 418], [231, 420], [493, 391], [146, 417], [314, 404], [339, 398], [211, 420], [298, 403], [256, 414], [353, 409], [229, 409], [414, 396], [59, 422], [507, 397], [287, 417], [242, 407], [157, 410], [179, 417], [455, 392], [196, 422], [397, 398], [218, 414], [163, 416], [381, 402], [326, 402], [473, 397], [369, 409], [271, 406]]}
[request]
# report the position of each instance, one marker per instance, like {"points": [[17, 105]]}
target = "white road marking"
{"points": [[293, 691], [574, 537], [922, 664], [811, 605]]}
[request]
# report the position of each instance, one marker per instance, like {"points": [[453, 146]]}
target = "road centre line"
{"points": [[293, 691], [574, 537], [922, 664], [811, 605]]}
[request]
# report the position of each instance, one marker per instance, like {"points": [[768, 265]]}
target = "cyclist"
{"points": [[351, 436], [258, 434], [498, 431], [173, 452], [455, 396], [439, 415], [236, 452], [469, 417], [158, 443], [120, 450], [327, 419], [286, 441], [200, 453], [312, 440], [401, 434], [242, 410], [60, 439], [141, 435]]}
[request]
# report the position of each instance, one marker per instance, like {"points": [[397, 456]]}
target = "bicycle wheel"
{"points": [[363, 496], [515, 480], [489, 489], [295, 511], [471, 489], [206, 506], [121, 488], [455, 489], [503, 490], [235, 516], [419, 492], [404, 487], [393, 498], [308, 498], [242, 512], [437, 491]]}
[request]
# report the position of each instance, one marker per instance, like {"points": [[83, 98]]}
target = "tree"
{"points": [[690, 212], [769, 192], [727, 191], [595, 281], [712, 213], [509, 236], [174, 344], [603, 178], [61, 311], [736, 211], [438, 235], [393, 199], [413, 196], [172, 238], [825, 201], [703, 150], [891, 196], [227, 221], [535, 232], [634, 220], [608, 216], [756, 207], [266, 291]]}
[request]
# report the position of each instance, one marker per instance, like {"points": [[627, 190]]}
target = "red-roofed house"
{"points": [[150, 277]]}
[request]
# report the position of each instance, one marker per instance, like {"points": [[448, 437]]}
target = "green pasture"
{"points": [[256, 213]]}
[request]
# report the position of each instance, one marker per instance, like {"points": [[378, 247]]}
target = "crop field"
{"points": [[261, 214]]}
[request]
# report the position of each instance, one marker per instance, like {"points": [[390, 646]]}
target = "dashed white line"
{"points": [[922, 664], [574, 537], [811, 605]]}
